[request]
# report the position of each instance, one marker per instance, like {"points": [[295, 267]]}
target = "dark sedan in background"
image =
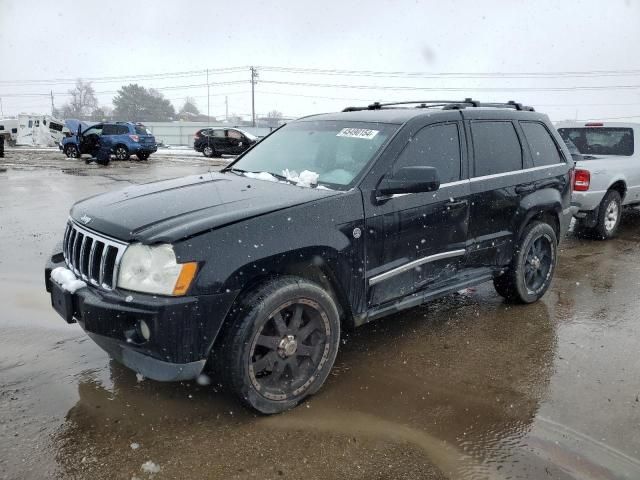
{"points": [[213, 142]]}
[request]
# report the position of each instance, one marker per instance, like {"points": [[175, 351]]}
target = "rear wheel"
{"points": [[208, 151], [71, 151], [609, 215], [143, 155], [281, 344], [121, 152], [532, 266]]}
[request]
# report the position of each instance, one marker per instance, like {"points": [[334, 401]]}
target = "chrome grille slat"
{"points": [[92, 253], [81, 248]]}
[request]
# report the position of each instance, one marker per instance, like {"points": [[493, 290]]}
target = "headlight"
{"points": [[154, 269]]}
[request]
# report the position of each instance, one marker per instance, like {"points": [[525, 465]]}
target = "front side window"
{"points": [[600, 140], [337, 151], [542, 146], [217, 133], [97, 130], [109, 130], [496, 147], [434, 146]]}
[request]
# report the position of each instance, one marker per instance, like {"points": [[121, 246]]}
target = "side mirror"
{"points": [[410, 180]]}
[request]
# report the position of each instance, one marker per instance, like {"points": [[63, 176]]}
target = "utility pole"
{"points": [[1, 111], [208, 114], [226, 108], [254, 76], [52, 107]]}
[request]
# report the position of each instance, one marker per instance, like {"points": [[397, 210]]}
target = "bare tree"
{"points": [[189, 106], [83, 101]]}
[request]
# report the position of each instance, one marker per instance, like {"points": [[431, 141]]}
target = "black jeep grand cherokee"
{"points": [[330, 222]]}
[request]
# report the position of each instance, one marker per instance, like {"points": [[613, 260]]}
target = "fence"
{"points": [[181, 133]]}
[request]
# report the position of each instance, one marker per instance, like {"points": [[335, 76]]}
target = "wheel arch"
{"points": [[318, 265], [620, 186]]}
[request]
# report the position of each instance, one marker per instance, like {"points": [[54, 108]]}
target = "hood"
{"points": [[170, 210]]}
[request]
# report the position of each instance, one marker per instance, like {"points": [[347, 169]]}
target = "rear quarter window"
{"points": [[543, 148], [496, 147]]}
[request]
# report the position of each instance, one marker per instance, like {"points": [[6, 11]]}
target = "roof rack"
{"points": [[445, 104]]}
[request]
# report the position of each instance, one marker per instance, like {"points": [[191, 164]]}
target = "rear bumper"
{"points": [[585, 201], [142, 148], [183, 329]]}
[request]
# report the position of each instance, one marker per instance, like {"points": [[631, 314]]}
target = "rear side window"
{"points": [[600, 140], [121, 130], [543, 149], [434, 146], [496, 148]]}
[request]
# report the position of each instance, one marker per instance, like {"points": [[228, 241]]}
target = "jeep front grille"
{"points": [[91, 256]]}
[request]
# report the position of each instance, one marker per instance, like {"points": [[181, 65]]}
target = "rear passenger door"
{"points": [[496, 175]]}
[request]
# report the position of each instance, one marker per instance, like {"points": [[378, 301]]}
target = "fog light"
{"points": [[143, 330]]}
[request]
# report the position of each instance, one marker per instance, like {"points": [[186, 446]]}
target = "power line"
{"points": [[454, 89], [466, 75]]}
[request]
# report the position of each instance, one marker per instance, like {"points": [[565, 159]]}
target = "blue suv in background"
{"points": [[121, 139]]}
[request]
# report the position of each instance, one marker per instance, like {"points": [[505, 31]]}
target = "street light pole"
{"points": [[208, 113]]}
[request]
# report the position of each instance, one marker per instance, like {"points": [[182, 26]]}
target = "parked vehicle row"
{"points": [[330, 222]]}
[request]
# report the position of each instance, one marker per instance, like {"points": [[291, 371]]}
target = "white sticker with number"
{"points": [[357, 133]]}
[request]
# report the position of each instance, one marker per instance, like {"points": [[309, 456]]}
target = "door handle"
{"points": [[453, 205], [526, 188]]}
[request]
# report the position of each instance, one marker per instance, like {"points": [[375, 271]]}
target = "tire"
{"points": [[261, 356], [143, 155], [208, 151], [121, 152], [71, 151], [609, 214], [532, 267]]}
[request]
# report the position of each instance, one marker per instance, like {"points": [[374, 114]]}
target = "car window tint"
{"points": [[142, 130], [109, 130], [235, 134], [496, 148], [434, 146], [119, 130], [218, 133], [543, 149]]}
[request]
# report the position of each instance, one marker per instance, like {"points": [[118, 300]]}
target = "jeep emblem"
{"points": [[85, 218]]}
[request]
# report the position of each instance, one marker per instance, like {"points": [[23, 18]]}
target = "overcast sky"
{"points": [[63, 40]]}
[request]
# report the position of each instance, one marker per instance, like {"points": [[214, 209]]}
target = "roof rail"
{"points": [[445, 104]]}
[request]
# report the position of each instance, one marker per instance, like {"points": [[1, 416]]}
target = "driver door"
{"points": [[90, 139], [418, 240]]}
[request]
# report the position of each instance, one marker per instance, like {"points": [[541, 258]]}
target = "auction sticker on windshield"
{"points": [[357, 133]]}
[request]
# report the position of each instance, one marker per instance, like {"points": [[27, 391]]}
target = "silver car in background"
{"points": [[607, 176]]}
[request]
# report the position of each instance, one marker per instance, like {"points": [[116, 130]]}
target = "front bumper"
{"points": [[183, 329]]}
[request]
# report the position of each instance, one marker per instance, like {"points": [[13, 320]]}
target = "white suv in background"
{"points": [[607, 177]]}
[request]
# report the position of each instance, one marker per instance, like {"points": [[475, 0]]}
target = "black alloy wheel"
{"points": [[289, 349]]}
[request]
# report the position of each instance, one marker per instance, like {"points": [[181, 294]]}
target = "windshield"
{"points": [[336, 151], [600, 140]]}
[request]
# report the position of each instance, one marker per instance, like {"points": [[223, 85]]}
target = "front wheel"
{"points": [[121, 152], [71, 151], [280, 345], [532, 266]]}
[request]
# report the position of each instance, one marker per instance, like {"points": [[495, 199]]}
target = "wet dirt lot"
{"points": [[466, 387]]}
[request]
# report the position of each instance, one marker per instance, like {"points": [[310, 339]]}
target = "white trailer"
{"points": [[39, 130], [9, 130]]}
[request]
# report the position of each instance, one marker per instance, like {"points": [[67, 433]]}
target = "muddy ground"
{"points": [[466, 387]]}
